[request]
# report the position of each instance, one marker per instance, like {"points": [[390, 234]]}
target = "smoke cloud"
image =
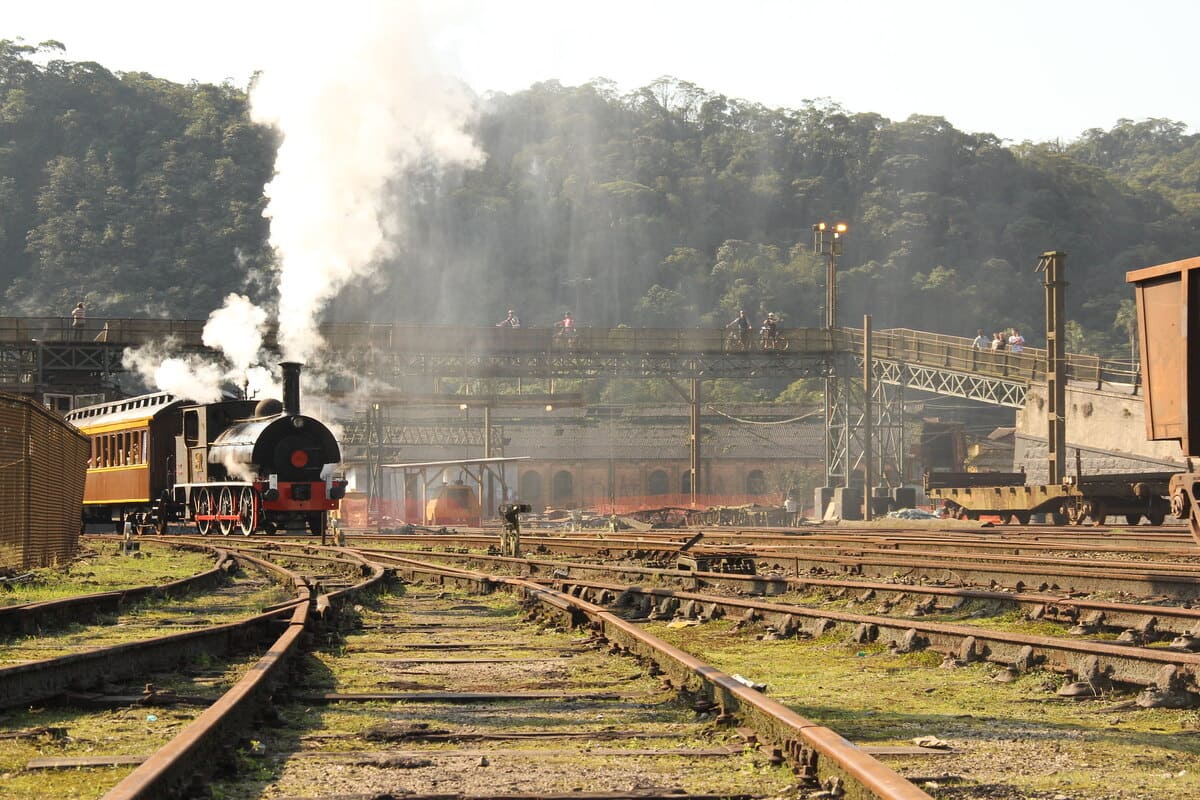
{"points": [[357, 101]]}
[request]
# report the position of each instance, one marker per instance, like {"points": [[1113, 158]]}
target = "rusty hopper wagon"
{"points": [[1168, 309], [970, 495]]}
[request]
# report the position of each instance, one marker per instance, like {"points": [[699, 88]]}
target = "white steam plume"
{"points": [[357, 102], [188, 377]]}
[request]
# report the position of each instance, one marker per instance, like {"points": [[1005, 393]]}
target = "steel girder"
{"points": [[997, 391], [845, 424]]}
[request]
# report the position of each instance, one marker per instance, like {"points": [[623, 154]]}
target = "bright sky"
{"points": [[1022, 69]]}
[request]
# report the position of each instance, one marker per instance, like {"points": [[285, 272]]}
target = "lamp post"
{"points": [[827, 241]]}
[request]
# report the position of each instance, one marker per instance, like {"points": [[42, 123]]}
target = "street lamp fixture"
{"points": [[827, 241]]}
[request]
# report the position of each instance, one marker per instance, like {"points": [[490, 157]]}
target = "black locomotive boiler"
{"points": [[230, 466]]}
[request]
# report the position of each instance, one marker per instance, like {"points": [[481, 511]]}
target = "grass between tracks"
{"points": [[300, 759], [1012, 740], [104, 569], [74, 732]]}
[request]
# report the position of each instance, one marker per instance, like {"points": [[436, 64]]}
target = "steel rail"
{"points": [[38, 680], [816, 752], [29, 617], [1086, 660], [171, 769], [1146, 619]]}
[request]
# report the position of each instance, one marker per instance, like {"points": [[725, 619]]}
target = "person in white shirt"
{"points": [[1016, 342]]}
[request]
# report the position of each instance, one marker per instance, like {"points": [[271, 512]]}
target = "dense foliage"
{"points": [[135, 194], [668, 206]]}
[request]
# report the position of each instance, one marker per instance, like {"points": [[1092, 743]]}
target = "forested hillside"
{"points": [[666, 206]]}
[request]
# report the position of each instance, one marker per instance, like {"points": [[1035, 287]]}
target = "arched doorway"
{"points": [[658, 483], [563, 489], [755, 482], [685, 482]]}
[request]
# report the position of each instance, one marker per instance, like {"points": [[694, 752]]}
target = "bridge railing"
{"points": [[958, 353], [915, 347], [124, 331]]}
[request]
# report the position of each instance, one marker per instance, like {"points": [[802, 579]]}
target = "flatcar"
{"points": [[230, 466], [1130, 496], [1168, 315], [454, 504]]}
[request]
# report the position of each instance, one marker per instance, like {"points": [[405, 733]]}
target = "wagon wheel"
{"points": [[1097, 513], [225, 509], [247, 511], [1023, 517], [781, 343], [1058, 518], [1156, 517], [1133, 519], [202, 504]]}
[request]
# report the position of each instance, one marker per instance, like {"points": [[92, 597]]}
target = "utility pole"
{"points": [[1053, 263]]}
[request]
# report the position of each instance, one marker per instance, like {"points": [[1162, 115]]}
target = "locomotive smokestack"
{"points": [[291, 387]]}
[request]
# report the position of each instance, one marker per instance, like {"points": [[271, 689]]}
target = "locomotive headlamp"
{"points": [[297, 422]]}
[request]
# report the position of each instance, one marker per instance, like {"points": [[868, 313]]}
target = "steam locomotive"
{"points": [[234, 465]]}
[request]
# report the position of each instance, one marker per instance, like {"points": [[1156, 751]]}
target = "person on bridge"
{"points": [[510, 321], [770, 330], [1016, 342], [566, 328], [982, 342], [78, 317], [742, 323]]}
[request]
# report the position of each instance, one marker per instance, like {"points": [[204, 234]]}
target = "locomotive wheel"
{"points": [[202, 504], [225, 509], [248, 506]]}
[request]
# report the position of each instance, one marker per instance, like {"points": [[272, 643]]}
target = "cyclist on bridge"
{"points": [[742, 323], [770, 330]]}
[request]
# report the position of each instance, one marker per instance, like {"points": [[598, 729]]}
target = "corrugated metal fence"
{"points": [[43, 463]]}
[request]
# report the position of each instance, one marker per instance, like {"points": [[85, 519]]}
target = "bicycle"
{"points": [[738, 342], [778, 342]]}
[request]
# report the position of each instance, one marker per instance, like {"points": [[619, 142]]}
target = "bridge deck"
{"points": [[32, 347]]}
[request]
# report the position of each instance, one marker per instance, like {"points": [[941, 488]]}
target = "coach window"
{"points": [[104, 451]]}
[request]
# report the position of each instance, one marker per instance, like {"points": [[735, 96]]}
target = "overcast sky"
{"points": [[1022, 69]]}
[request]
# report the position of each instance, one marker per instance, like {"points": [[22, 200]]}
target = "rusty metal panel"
{"points": [[43, 462], [1168, 308]]}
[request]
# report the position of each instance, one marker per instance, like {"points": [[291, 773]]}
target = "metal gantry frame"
{"points": [[847, 424]]}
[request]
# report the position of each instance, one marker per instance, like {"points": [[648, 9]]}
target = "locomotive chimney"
{"points": [[291, 387]]}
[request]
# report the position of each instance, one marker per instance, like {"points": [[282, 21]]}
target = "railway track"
{"points": [[773, 746]]}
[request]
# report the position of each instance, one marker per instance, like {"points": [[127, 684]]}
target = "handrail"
{"points": [[935, 350]]}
